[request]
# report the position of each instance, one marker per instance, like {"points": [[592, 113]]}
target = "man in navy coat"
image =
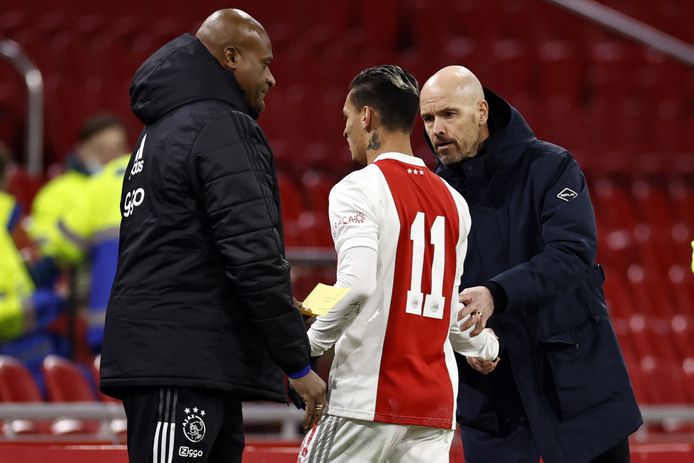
{"points": [[560, 388]]}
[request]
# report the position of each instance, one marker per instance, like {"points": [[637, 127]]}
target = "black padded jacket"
{"points": [[202, 294]]}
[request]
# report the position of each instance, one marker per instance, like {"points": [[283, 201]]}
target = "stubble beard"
{"points": [[448, 159]]}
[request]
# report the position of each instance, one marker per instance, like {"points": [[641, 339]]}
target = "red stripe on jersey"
{"points": [[414, 386]]}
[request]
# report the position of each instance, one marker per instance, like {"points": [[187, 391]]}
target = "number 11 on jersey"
{"points": [[434, 302]]}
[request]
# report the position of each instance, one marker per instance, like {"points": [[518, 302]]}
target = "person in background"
{"points": [[26, 311], [400, 234], [88, 234], [560, 389], [200, 317], [102, 138]]}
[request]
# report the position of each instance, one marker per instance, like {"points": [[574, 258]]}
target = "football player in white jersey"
{"points": [[400, 232]]}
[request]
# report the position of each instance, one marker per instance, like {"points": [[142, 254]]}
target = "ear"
{"points": [[231, 57], [366, 118], [483, 112]]}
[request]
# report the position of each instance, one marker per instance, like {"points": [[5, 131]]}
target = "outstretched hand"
{"points": [[479, 304]]}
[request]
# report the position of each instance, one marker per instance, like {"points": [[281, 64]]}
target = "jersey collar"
{"points": [[414, 160]]}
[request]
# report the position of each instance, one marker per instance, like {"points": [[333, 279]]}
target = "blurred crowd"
{"points": [[58, 259]]}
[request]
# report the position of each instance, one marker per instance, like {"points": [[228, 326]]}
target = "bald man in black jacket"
{"points": [[201, 316]]}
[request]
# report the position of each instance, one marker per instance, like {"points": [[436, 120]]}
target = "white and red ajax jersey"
{"points": [[394, 362]]}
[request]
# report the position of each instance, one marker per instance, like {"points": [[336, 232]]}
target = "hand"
{"points": [[311, 388], [483, 366], [306, 314], [479, 304]]}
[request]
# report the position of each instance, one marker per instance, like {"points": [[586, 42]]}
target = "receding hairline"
{"points": [[455, 77]]}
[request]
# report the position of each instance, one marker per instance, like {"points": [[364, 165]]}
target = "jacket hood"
{"points": [[509, 133], [181, 72]]}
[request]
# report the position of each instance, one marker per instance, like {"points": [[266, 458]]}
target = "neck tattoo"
{"points": [[374, 143]]}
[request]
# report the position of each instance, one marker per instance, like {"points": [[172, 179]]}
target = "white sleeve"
{"points": [[354, 222], [354, 219], [357, 271], [484, 346]]}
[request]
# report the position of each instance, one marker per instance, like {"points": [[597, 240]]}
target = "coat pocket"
{"points": [[583, 363]]}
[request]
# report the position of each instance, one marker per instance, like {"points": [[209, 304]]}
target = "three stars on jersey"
{"points": [[415, 171], [195, 410]]}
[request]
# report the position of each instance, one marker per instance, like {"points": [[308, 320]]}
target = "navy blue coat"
{"points": [[533, 234]]}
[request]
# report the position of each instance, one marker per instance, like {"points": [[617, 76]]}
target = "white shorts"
{"points": [[337, 440]]}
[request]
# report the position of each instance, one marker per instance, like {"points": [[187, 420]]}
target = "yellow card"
{"points": [[323, 298]]}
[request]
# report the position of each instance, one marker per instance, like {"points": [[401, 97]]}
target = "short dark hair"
{"points": [[391, 91], [99, 123]]}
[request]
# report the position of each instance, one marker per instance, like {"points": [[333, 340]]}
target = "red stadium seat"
{"points": [[637, 382], [688, 370], [316, 186], [647, 253], [291, 200], [560, 76], [652, 204], [641, 342], [613, 206], [513, 54], [329, 157], [621, 328], [428, 39], [681, 198], [381, 21], [619, 299], [662, 340], [23, 186], [485, 32], [316, 229], [615, 248], [645, 382], [292, 234], [66, 382], [13, 100], [659, 345], [13, 19], [643, 295], [683, 335], [17, 385], [118, 426], [97, 374], [682, 289], [656, 372], [670, 373]]}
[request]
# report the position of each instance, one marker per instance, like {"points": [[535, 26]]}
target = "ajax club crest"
{"points": [[193, 425]]}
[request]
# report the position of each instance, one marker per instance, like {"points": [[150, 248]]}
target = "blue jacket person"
{"points": [[560, 388]]}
